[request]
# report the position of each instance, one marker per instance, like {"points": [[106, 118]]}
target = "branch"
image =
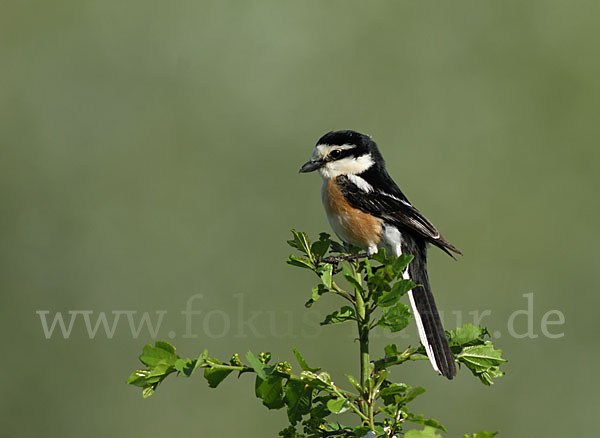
{"points": [[338, 259]]}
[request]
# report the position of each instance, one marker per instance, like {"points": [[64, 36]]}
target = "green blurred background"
{"points": [[150, 152]]}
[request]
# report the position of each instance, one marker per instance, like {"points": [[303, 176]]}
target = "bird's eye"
{"points": [[335, 154]]}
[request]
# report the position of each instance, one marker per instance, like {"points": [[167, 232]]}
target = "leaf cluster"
{"points": [[373, 290]]}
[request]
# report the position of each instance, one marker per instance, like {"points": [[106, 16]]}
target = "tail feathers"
{"points": [[431, 331]]}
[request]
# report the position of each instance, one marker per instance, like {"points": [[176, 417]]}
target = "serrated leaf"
{"points": [[270, 391], [298, 398], [483, 361], [151, 356], [468, 334], [299, 261], [399, 289], [395, 318], [346, 313], [303, 363], [481, 356]]}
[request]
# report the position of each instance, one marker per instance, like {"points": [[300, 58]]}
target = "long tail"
{"points": [[427, 317]]}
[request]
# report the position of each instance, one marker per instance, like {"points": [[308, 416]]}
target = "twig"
{"points": [[338, 259]]}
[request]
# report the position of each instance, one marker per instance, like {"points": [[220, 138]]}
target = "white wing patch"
{"points": [[396, 198], [361, 183]]}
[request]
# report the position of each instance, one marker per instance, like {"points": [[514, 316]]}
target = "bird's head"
{"points": [[343, 153]]}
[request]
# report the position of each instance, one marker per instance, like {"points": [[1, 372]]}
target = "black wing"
{"points": [[395, 210]]}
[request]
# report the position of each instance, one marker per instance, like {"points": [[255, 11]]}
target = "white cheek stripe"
{"points": [[346, 166]]}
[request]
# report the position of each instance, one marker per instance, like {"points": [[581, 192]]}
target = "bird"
{"points": [[367, 209]]}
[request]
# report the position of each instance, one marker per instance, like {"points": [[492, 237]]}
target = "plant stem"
{"points": [[363, 315]]}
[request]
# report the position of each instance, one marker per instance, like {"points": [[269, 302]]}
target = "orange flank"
{"points": [[351, 224]]}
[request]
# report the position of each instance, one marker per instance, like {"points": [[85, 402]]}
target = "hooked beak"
{"points": [[311, 166]]}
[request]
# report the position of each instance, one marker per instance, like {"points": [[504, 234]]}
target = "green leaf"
{"points": [[361, 431], [346, 313], [354, 383], [428, 432], [419, 419], [318, 381], [165, 346], [160, 369], [138, 378], [327, 275], [298, 398], [353, 279], [162, 351], [317, 291], [270, 390], [148, 391], [391, 350], [481, 356], [320, 247], [395, 318], [290, 432], [482, 434], [299, 261], [483, 361], [302, 243], [399, 289], [414, 393], [468, 334], [337, 405], [261, 369], [337, 247], [180, 364], [380, 256], [303, 363], [399, 265], [394, 393], [214, 376]]}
